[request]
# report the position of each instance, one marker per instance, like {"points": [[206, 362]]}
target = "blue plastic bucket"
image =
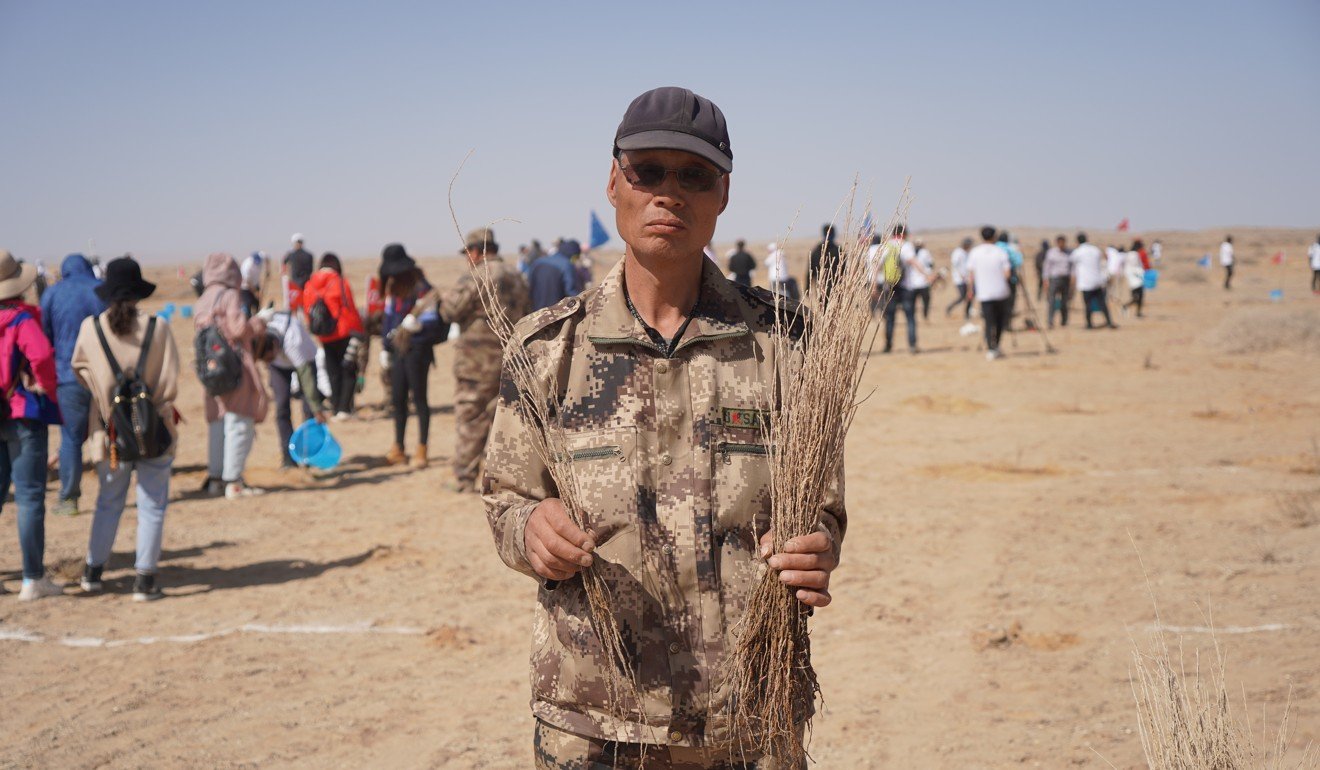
{"points": [[311, 444], [1152, 278]]}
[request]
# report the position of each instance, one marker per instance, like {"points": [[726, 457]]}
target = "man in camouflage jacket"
{"points": [[477, 350], [663, 374]]}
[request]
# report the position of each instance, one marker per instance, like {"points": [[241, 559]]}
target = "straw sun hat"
{"points": [[15, 277]]}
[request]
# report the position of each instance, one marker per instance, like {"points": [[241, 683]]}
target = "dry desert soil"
{"points": [[985, 613]]}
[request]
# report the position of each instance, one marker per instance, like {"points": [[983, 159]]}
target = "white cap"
{"points": [[297, 238]]}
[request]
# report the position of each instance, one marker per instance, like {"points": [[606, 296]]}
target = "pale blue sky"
{"points": [[171, 129]]}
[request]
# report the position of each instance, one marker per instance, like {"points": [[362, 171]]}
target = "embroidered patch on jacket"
{"points": [[744, 418]]}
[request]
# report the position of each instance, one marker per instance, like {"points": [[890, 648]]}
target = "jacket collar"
{"points": [[716, 315]]}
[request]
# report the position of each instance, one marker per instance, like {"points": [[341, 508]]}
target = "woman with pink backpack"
{"points": [[27, 370]]}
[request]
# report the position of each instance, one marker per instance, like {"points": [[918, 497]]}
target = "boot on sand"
{"points": [[419, 460], [395, 456]]}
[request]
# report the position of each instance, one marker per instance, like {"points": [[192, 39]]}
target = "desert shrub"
{"points": [[1263, 330]]}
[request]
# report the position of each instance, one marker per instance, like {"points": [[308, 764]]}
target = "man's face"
{"points": [[475, 255], [665, 221]]}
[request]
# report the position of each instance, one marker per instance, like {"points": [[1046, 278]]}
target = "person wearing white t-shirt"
{"points": [[988, 270], [1057, 271], [1314, 254], [915, 283], [908, 286], [776, 269], [1114, 264], [1226, 259], [918, 278], [1090, 274], [1134, 270], [958, 269]]}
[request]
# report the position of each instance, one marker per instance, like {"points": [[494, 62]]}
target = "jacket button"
{"points": [[666, 459], [666, 549], [674, 648], [662, 367], [675, 736]]}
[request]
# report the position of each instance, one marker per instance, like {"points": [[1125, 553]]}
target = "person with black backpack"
{"points": [[332, 315], [127, 360]]}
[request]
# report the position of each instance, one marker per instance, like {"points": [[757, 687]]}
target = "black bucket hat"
{"points": [[394, 260], [123, 282]]}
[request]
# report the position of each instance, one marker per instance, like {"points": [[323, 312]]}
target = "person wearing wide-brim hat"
{"points": [[24, 436], [126, 329]]}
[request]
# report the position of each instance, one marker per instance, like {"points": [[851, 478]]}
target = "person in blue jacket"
{"points": [[553, 278], [63, 308]]}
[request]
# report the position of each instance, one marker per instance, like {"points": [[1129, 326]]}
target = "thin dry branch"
{"points": [[539, 409]]}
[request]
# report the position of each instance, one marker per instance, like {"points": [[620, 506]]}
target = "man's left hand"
{"points": [[805, 563]]}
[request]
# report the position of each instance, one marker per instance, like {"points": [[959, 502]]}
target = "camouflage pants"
{"points": [[474, 410], [559, 750]]}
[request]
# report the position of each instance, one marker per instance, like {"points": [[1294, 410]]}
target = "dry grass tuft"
{"points": [[1299, 509], [820, 359], [1186, 719], [1263, 330], [1190, 276]]}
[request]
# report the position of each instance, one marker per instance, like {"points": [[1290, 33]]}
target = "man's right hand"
{"points": [[556, 547]]}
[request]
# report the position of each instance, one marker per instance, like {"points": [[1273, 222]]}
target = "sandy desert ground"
{"points": [[984, 615]]}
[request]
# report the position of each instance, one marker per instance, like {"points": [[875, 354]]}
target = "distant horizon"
{"points": [[754, 244], [173, 130]]}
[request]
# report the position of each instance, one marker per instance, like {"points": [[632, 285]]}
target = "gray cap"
{"points": [[672, 118]]}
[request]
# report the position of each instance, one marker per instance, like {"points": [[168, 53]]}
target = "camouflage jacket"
{"points": [[477, 350], [673, 477]]}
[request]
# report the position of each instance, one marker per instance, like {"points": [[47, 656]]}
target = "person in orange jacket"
{"points": [[338, 326]]}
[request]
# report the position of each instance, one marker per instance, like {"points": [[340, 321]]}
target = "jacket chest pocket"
{"points": [[741, 476], [603, 464]]}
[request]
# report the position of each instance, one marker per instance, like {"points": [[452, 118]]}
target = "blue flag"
{"points": [[1203, 261], [599, 236]]}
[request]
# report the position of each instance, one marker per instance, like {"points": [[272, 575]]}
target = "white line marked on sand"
{"points": [[23, 635], [1227, 629]]}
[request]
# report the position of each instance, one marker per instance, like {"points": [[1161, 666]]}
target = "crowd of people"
{"points": [[88, 360], [989, 278], [73, 353], [564, 271]]}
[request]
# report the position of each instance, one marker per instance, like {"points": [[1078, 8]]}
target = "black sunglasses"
{"points": [[690, 178]]}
